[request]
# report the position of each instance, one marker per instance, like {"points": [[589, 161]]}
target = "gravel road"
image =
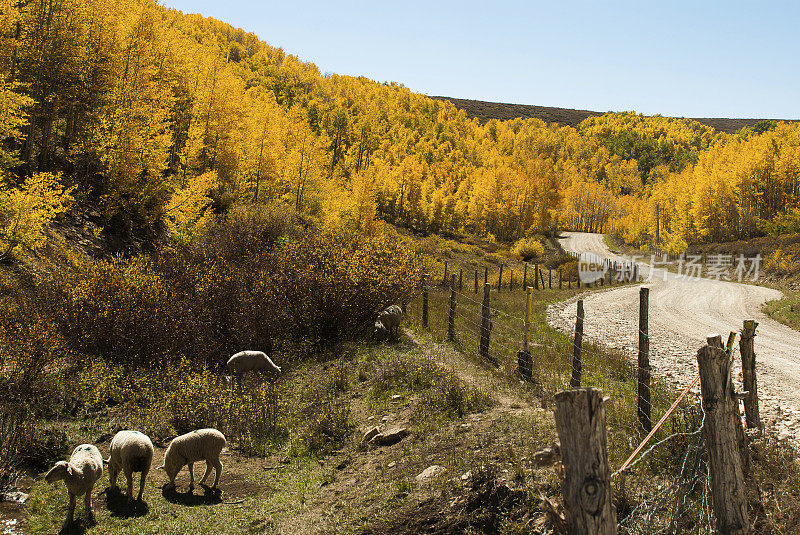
{"points": [[683, 312]]}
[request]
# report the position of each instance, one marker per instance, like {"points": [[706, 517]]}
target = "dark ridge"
{"points": [[486, 111]]}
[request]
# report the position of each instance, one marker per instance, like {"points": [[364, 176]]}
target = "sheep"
{"points": [[131, 451], [84, 469], [388, 322], [246, 361], [200, 445]]}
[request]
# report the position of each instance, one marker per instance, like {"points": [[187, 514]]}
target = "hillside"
{"points": [[502, 111]]}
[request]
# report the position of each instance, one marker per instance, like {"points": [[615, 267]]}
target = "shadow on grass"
{"points": [[119, 505], [208, 496], [78, 527]]}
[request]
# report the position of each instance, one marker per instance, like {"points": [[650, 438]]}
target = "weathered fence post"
{"points": [[485, 275], [485, 321], [575, 380], [460, 279], [559, 278], [451, 318], [749, 374], [476, 280], [541, 277], [511, 280], [444, 278], [525, 277], [643, 389], [424, 302], [536, 276], [500, 278], [549, 278], [524, 359], [720, 435], [581, 424]]}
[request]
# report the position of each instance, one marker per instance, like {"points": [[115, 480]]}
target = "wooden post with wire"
{"points": [[749, 385], [728, 484], [460, 279], [549, 278], [500, 278], [536, 276], [485, 275], [559, 278], [485, 322], [424, 302], [525, 276], [524, 359], [476, 280], [643, 388], [444, 278], [581, 424], [451, 318], [575, 380]]}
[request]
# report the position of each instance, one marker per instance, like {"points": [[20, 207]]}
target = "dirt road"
{"points": [[683, 312]]}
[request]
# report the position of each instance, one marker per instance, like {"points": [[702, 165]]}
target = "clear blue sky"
{"points": [[692, 59]]}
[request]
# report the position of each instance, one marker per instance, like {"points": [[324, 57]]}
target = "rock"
{"points": [[385, 419], [14, 497], [466, 475], [369, 435], [547, 456], [391, 464], [390, 437], [397, 397], [429, 472]]}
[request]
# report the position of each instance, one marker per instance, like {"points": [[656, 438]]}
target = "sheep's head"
{"points": [[172, 464], [59, 471], [381, 332]]}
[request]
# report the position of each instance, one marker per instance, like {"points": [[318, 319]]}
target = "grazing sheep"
{"points": [[84, 469], [200, 445], [388, 322], [247, 361], [131, 451]]}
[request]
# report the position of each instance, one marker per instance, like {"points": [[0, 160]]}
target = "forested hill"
{"points": [[501, 111], [157, 120]]}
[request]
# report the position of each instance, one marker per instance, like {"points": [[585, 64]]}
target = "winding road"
{"points": [[683, 312]]}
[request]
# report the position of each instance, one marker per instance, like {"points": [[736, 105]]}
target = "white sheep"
{"points": [[247, 361], [388, 322], [131, 451], [200, 445], [84, 469]]}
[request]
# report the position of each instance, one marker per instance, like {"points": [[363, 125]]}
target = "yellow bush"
{"points": [[529, 249]]}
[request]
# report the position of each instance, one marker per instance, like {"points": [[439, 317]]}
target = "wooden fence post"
{"points": [[525, 277], [511, 280], [444, 279], [524, 359], [549, 279], [424, 303], [485, 275], [460, 279], [536, 276], [750, 384], [575, 380], [541, 277], [500, 278], [476, 280], [581, 424], [451, 318], [643, 390], [485, 321], [559, 278], [720, 435]]}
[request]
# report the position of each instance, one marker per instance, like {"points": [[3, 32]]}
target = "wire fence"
{"points": [[664, 488]]}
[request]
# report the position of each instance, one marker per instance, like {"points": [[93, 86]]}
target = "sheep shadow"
{"points": [[118, 504], [78, 526], [189, 498]]}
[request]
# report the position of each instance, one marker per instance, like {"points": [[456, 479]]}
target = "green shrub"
{"points": [[529, 249], [329, 426]]}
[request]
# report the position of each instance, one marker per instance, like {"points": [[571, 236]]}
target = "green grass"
{"points": [[786, 310]]}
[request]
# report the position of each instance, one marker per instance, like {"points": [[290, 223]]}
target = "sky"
{"points": [[675, 58]]}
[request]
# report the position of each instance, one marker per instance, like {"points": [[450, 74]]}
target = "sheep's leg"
{"points": [[207, 472], [217, 472], [71, 510], [87, 501], [141, 484], [129, 478], [191, 476], [112, 475]]}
